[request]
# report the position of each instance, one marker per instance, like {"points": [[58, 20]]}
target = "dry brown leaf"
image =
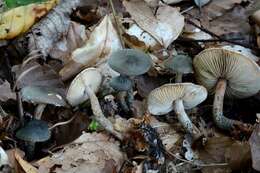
{"points": [[218, 8], [6, 92], [74, 38], [102, 42], [224, 150], [91, 153], [255, 147], [27, 167], [165, 26]]}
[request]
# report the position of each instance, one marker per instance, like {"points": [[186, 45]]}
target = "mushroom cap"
{"points": [[160, 100], [179, 64], [121, 83], [76, 93], [130, 62], [34, 131], [241, 73]]}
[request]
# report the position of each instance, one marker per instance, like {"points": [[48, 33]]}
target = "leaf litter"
{"points": [[45, 54]]}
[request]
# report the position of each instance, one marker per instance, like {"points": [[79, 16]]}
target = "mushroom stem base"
{"points": [[220, 120], [185, 120], [99, 116]]}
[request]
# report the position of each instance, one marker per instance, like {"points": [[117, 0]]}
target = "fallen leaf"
{"points": [[91, 153], [217, 8], [224, 150], [165, 26], [255, 147], [6, 92], [3, 157], [12, 160], [18, 20], [102, 42]]}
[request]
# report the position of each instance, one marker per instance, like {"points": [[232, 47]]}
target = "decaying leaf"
{"points": [[90, 153], [102, 42], [18, 20], [165, 26], [6, 92], [255, 147]]}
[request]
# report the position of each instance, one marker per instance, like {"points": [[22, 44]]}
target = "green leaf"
{"points": [[94, 125], [16, 3]]}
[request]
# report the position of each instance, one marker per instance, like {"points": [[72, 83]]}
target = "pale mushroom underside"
{"points": [[241, 73], [160, 100]]}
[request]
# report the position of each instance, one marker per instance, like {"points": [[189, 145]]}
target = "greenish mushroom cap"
{"points": [[241, 73], [121, 83], [34, 131], [130, 62], [179, 64]]}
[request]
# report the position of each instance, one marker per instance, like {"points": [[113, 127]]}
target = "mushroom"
{"points": [[76, 93], [180, 64], [34, 131], [177, 97], [228, 73], [129, 63]]}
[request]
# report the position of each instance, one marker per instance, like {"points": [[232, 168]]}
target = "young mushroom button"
{"points": [[76, 93], [179, 64], [177, 97], [228, 73], [34, 131]]}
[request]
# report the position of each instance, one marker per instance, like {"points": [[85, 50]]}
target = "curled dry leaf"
{"points": [[90, 153], [18, 20], [102, 42], [74, 38], [165, 26], [255, 147]]}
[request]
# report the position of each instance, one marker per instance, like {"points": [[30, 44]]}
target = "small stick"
{"points": [[117, 25], [63, 123], [220, 38]]}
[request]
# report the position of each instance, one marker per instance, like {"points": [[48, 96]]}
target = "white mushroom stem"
{"points": [[178, 77], [39, 111], [98, 114], [184, 119], [220, 120]]}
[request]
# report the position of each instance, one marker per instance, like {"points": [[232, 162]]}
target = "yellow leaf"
{"points": [[18, 20]]}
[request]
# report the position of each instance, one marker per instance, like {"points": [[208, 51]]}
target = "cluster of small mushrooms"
{"points": [[217, 70]]}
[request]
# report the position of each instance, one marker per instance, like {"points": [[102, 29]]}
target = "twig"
{"points": [[20, 106], [116, 22], [182, 39], [197, 164], [63, 123], [220, 38]]}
